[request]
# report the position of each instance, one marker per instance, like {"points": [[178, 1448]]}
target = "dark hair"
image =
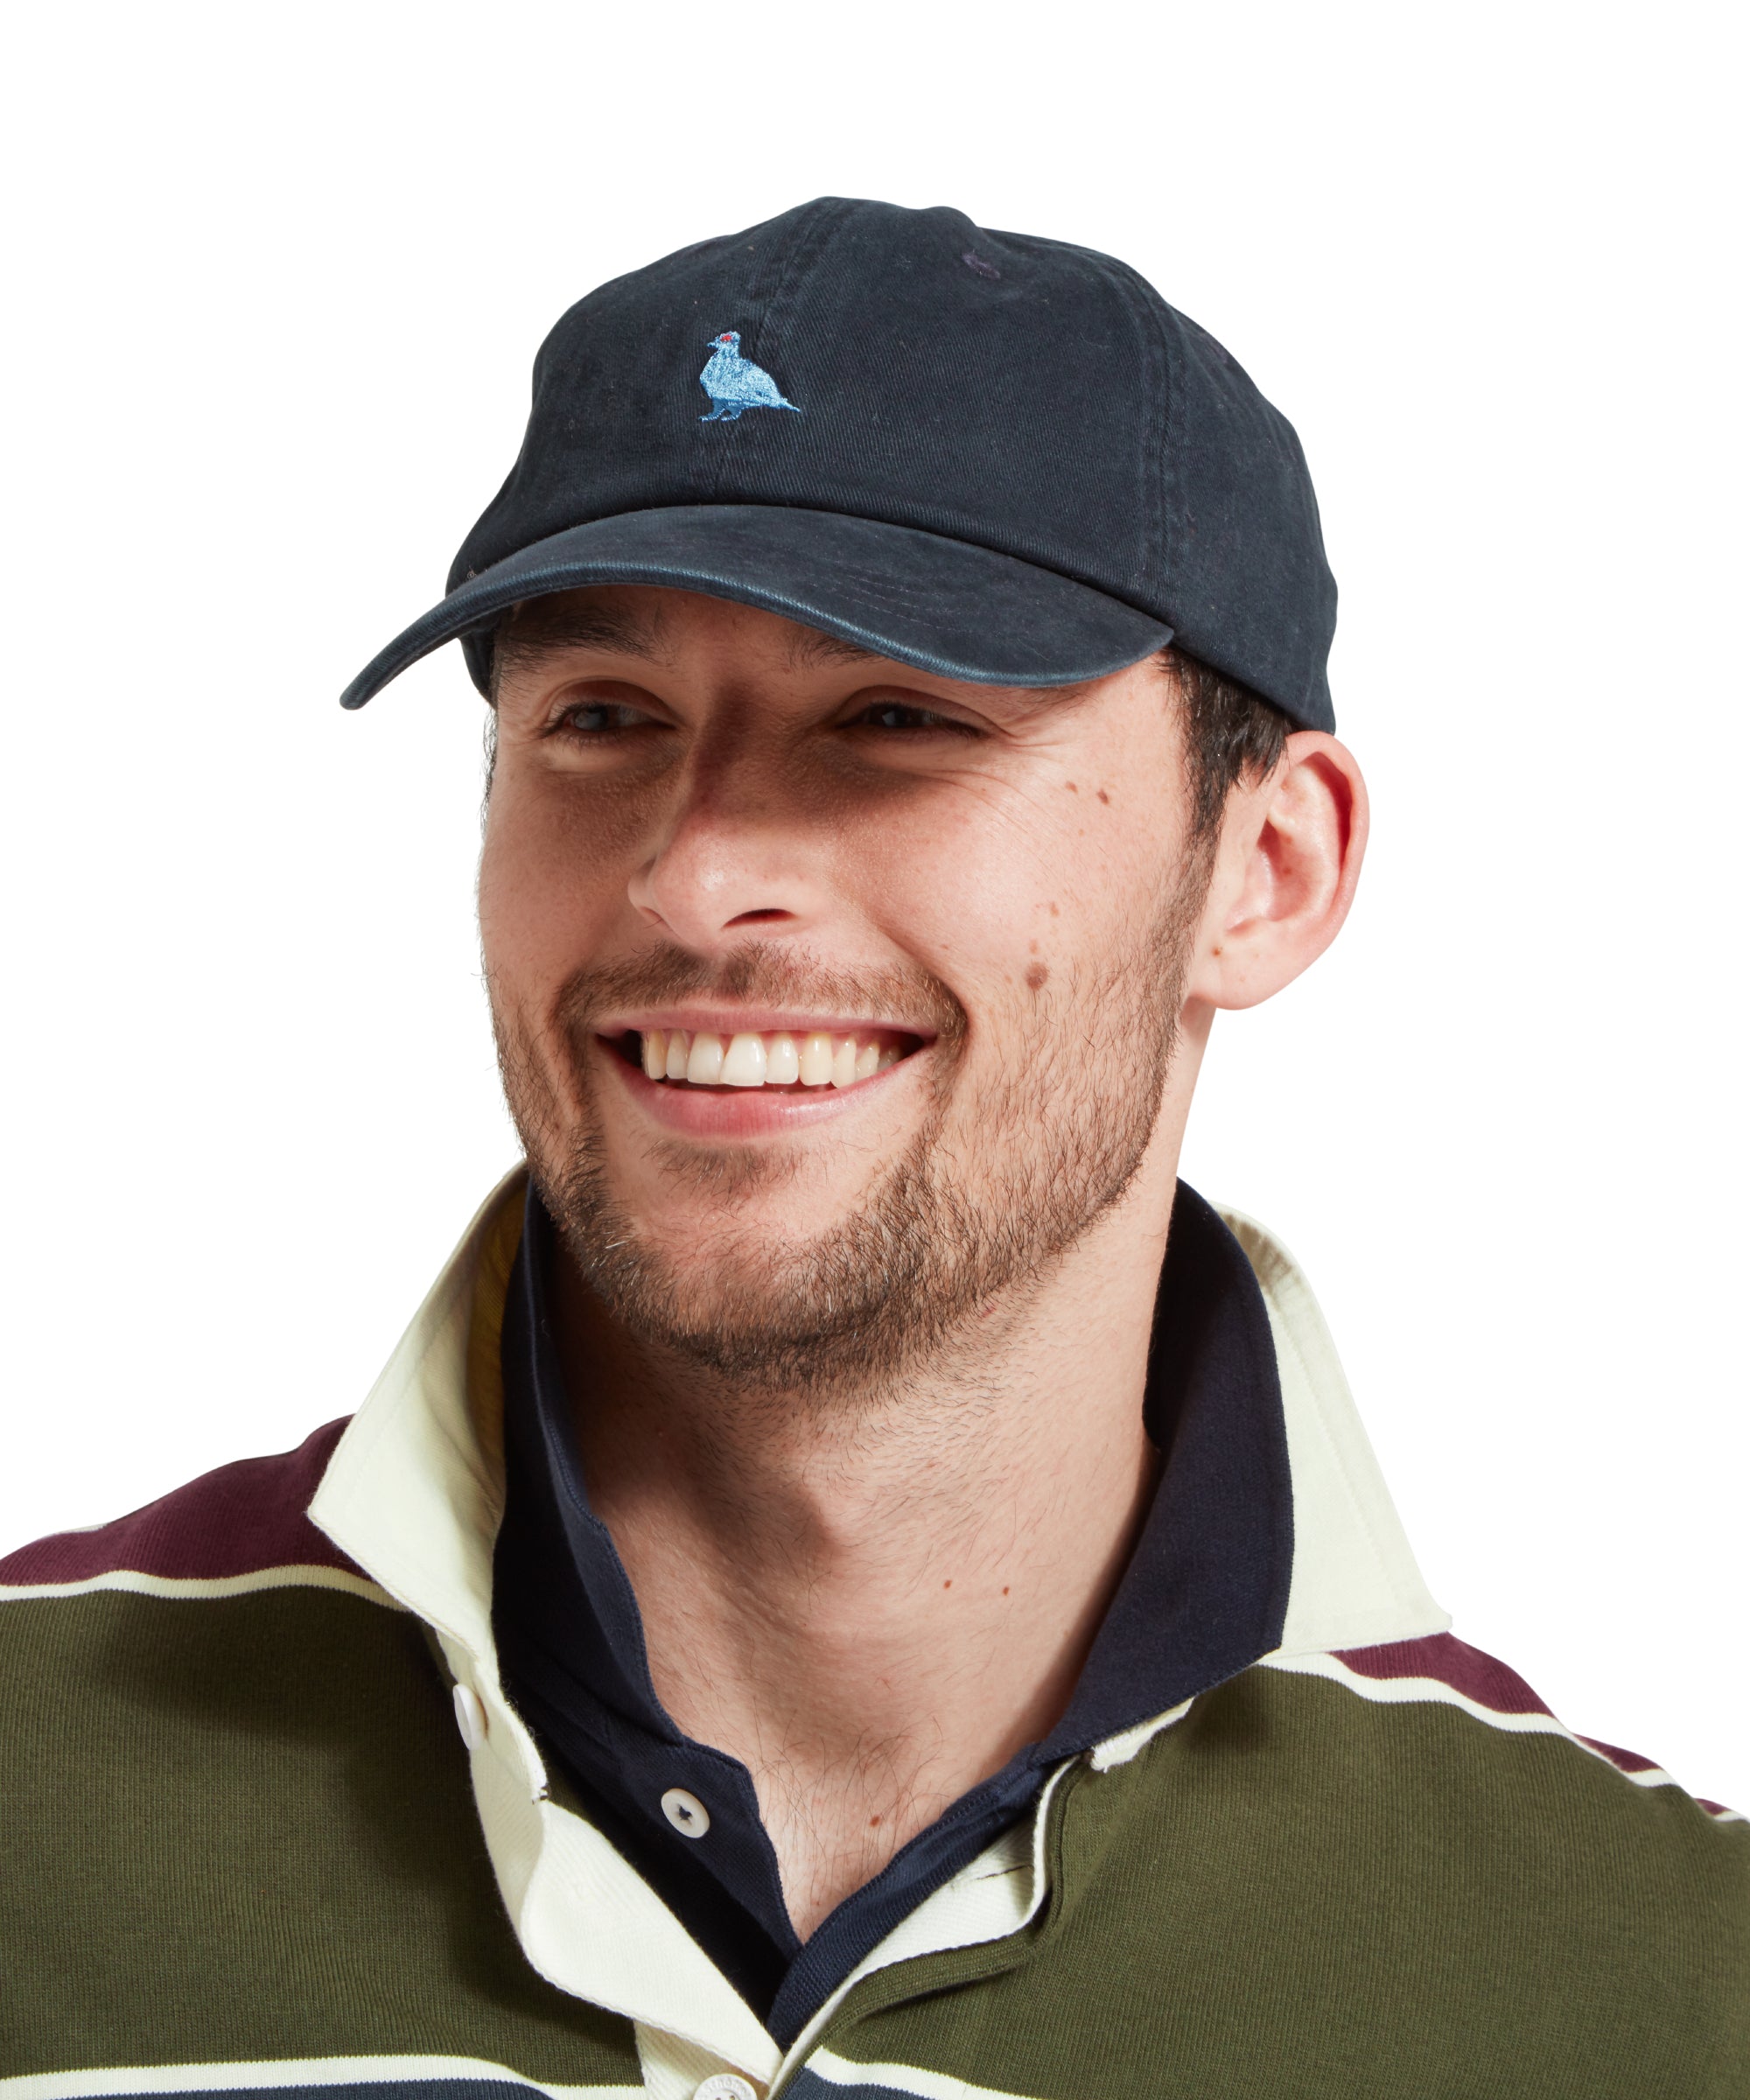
{"points": [[1230, 735]]}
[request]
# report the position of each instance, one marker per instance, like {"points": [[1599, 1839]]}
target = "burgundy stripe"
{"points": [[1714, 1808], [1624, 1760], [1490, 1683], [237, 1520], [1450, 1662]]}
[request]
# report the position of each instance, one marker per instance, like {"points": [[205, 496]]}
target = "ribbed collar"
{"points": [[414, 1495], [1203, 1598]]}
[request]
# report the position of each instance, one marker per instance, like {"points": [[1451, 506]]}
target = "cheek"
{"points": [[932, 882], [547, 888], [1004, 892]]}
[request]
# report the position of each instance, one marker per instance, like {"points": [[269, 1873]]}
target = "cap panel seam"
{"points": [[782, 270], [1151, 449], [826, 221], [1172, 556]]}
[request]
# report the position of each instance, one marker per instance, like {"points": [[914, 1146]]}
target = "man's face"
{"points": [[708, 821]]}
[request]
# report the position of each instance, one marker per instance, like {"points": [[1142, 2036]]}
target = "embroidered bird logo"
{"points": [[735, 382]]}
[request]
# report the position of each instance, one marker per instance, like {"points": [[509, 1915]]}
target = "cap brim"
{"points": [[938, 604]]}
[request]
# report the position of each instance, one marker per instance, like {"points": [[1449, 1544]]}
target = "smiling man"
{"points": [[918, 1611], [852, 1059]]}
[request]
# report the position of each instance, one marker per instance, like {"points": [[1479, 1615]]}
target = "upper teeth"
{"points": [[777, 1060]]}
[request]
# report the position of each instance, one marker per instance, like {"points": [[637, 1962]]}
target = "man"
{"points": [[919, 1611]]}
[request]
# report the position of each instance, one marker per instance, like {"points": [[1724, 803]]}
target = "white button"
{"points": [[724, 2085], [690, 1816], [471, 1716]]}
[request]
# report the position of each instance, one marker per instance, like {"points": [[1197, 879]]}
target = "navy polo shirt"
{"points": [[1203, 1598]]}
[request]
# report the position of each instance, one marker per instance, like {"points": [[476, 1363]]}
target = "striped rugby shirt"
{"points": [[244, 1847]]}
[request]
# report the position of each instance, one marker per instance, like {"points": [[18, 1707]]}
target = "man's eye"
{"points": [[897, 714], [601, 718]]}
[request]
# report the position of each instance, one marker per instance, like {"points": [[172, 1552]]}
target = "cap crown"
{"points": [[1021, 395]]}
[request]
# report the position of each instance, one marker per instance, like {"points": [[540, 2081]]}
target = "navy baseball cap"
{"points": [[993, 457]]}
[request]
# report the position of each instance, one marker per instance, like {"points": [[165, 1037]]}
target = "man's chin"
{"points": [[763, 1316], [728, 1218], [714, 1275], [681, 1194], [770, 1286]]}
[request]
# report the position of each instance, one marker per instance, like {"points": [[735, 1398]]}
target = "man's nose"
{"points": [[731, 858]]}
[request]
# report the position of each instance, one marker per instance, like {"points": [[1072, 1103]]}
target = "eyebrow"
{"points": [[524, 636], [811, 645]]}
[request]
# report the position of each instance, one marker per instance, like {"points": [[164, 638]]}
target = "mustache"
{"points": [[761, 973]]}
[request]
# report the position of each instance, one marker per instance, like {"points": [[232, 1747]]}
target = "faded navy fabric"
{"points": [[1030, 472], [1203, 1598], [735, 382]]}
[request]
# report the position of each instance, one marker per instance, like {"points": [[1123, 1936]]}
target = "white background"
{"points": [[276, 275]]}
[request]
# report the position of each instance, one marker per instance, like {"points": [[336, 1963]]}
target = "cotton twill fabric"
{"points": [[1031, 471], [238, 1829]]}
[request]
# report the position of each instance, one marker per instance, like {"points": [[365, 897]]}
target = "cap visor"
{"points": [[937, 604]]}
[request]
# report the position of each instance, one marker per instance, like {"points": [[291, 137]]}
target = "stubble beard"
{"points": [[990, 1192]]}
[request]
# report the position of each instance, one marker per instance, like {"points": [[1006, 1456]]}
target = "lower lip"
{"points": [[743, 1112]]}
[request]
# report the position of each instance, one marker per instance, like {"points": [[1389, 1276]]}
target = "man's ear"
{"points": [[1286, 866]]}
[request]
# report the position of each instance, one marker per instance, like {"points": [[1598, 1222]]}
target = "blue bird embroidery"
{"points": [[735, 382]]}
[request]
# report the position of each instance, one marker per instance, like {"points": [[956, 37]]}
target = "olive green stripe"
{"points": [[1297, 1891], [243, 1830]]}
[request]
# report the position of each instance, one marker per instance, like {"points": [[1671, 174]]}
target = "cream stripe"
{"points": [[900, 2078], [304, 2070], [198, 1587]]}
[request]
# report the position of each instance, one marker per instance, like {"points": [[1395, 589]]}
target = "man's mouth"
{"points": [[765, 1058]]}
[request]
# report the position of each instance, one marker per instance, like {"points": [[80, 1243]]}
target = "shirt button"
{"points": [[471, 1716], [690, 1816], [724, 2085]]}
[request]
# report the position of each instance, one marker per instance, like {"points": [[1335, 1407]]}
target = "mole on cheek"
{"points": [[1038, 976], [1101, 792], [1072, 786]]}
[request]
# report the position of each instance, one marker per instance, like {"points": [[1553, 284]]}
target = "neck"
{"points": [[875, 1598]]}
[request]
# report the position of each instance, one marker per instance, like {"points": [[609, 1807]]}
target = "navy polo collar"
{"points": [[1204, 1597]]}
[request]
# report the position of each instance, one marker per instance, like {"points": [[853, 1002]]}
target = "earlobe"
{"points": [[1286, 866]]}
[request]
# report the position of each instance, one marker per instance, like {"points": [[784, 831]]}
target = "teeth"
{"points": [[704, 1061], [750, 1060], [744, 1064]]}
